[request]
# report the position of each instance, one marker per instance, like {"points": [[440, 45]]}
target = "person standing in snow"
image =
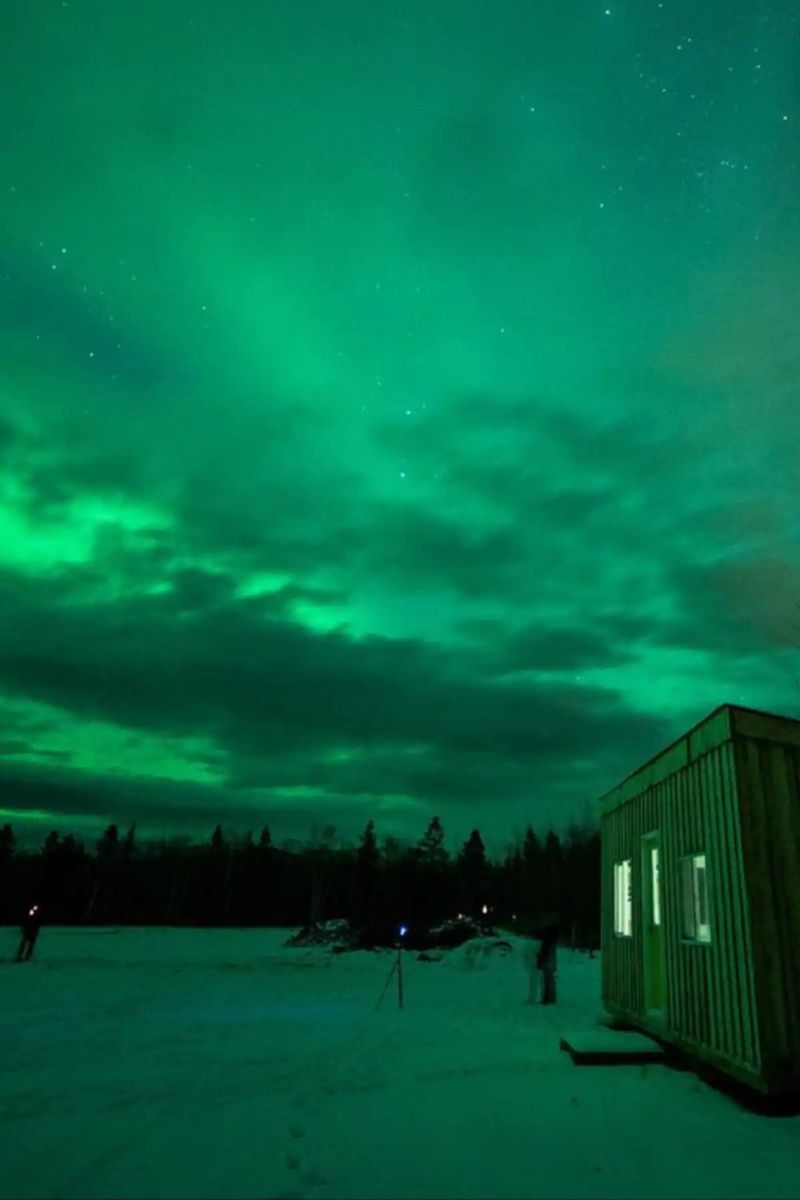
{"points": [[546, 961], [530, 957], [30, 932]]}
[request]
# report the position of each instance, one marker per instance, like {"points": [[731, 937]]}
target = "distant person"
{"points": [[30, 932], [546, 961], [530, 957]]}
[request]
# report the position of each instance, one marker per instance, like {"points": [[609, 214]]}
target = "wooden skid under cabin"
{"points": [[701, 897]]}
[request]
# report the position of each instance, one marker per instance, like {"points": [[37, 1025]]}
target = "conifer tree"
{"points": [[108, 845], [553, 875], [473, 873], [430, 848], [368, 855], [532, 882], [367, 860], [51, 843]]}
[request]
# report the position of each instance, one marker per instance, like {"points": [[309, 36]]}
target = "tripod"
{"points": [[397, 966]]}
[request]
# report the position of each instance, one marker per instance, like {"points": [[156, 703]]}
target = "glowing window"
{"points": [[623, 907], [695, 922], [655, 880]]}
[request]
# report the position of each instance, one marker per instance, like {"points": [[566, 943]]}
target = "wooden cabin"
{"points": [[701, 897]]}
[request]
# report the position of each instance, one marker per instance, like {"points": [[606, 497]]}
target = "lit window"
{"points": [[623, 908], [655, 880], [695, 922]]}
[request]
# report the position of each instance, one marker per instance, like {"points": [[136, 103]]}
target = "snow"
{"points": [[200, 1063], [599, 1041]]}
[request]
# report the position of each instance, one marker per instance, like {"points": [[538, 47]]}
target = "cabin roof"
{"points": [[716, 727]]}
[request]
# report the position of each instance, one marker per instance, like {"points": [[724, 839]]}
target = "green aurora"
{"points": [[399, 404]]}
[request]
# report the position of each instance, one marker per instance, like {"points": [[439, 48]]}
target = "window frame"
{"points": [[654, 867], [623, 898], [694, 899]]}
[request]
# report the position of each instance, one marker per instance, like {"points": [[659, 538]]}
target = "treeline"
{"points": [[249, 881]]}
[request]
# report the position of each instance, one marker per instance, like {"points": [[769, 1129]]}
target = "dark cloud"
{"points": [[739, 607], [413, 544], [354, 719], [81, 798], [564, 649], [277, 698]]}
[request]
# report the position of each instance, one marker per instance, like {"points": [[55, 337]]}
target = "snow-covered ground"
{"points": [[195, 1063]]}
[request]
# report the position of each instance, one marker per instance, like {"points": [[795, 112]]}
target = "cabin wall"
{"points": [[709, 987], [768, 771], [622, 962]]}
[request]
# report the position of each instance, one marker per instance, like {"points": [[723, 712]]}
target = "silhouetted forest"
{"points": [[249, 881]]}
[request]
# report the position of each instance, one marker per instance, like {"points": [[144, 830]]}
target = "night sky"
{"points": [[399, 404]]}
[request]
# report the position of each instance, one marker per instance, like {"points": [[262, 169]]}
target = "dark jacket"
{"points": [[546, 957], [30, 925]]}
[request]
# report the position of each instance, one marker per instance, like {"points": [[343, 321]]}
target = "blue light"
{"points": [[403, 931]]}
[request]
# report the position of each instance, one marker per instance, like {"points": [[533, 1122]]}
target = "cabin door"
{"points": [[653, 927]]}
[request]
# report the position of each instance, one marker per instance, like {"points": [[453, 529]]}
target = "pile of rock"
{"points": [[338, 934], [455, 932]]}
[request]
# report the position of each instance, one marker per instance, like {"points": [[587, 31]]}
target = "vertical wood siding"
{"points": [[709, 987], [769, 800]]}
